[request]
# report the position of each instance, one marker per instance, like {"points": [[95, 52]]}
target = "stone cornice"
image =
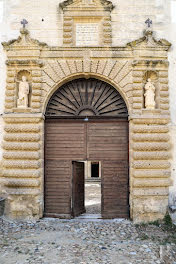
{"points": [[152, 117], [25, 63], [148, 43], [71, 4], [15, 116], [151, 63]]}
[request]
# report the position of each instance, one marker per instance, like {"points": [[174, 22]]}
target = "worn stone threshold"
{"points": [[98, 218], [89, 216]]}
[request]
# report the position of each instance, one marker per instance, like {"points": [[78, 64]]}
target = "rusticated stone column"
{"points": [[22, 165], [36, 90], [150, 167], [10, 95]]}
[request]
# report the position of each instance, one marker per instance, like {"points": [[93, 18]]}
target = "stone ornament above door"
{"points": [[87, 23], [126, 68]]}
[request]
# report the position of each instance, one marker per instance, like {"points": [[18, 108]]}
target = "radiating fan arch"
{"points": [[86, 97]]}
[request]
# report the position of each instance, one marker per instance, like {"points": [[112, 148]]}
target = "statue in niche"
{"points": [[23, 93], [149, 95]]}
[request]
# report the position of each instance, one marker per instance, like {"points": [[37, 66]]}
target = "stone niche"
{"points": [[19, 77], [153, 76], [87, 23]]}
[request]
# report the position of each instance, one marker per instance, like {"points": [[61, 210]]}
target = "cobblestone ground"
{"points": [[51, 241]]}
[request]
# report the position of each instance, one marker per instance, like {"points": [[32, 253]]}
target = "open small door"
{"points": [[78, 205]]}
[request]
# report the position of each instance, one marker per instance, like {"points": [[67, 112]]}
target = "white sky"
{"points": [[173, 11], [1, 11]]}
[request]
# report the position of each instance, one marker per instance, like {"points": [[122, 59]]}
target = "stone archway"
{"points": [[103, 137], [124, 68]]}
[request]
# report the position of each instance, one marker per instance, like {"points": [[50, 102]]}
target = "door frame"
{"points": [[93, 119]]}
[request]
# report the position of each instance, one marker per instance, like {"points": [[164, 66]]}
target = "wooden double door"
{"points": [[70, 142]]}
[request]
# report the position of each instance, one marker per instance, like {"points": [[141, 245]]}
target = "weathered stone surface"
{"points": [[152, 173], [151, 164], [151, 137], [22, 128], [21, 155], [21, 164], [21, 146], [152, 146], [147, 155], [151, 182], [16, 183], [18, 173], [150, 129]]}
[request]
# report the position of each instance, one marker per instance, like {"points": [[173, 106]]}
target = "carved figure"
{"points": [[23, 93], [149, 95]]}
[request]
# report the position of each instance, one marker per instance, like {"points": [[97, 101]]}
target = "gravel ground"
{"points": [[51, 241]]}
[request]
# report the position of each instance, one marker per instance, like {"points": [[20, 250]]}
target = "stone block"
{"points": [[149, 209]]}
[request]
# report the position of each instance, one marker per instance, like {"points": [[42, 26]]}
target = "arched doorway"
{"points": [[86, 120]]}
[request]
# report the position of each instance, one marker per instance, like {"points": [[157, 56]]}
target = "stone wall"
{"points": [[128, 19], [45, 24], [22, 165], [127, 69]]}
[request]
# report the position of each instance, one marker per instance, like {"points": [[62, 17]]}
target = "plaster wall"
{"points": [[45, 19], [172, 90], [2, 90], [128, 17]]}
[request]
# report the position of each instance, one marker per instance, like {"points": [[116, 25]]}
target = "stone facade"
{"points": [[125, 67]]}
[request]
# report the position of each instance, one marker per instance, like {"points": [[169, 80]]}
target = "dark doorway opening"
{"points": [[95, 170]]}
